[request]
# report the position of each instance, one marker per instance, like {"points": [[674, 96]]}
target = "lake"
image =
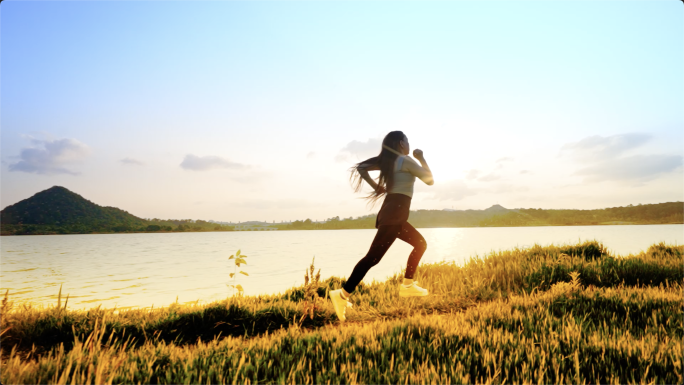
{"points": [[142, 270]]}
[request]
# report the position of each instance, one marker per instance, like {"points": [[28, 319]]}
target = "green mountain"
{"points": [[60, 210]]}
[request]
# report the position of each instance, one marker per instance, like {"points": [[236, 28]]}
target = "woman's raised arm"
{"points": [[420, 171]]}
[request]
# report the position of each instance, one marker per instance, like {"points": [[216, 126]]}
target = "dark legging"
{"points": [[381, 243]]}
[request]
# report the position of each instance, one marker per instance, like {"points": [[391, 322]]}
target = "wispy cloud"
{"points": [[453, 190], [604, 159], [504, 159], [597, 147], [50, 157], [489, 177], [204, 163], [505, 188], [472, 174], [131, 162], [640, 168], [359, 150], [311, 155]]}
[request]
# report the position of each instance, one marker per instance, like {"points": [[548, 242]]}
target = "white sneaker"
{"points": [[340, 304], [413, 290]]}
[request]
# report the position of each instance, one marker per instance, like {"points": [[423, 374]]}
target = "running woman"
{"points": [[398, 172]]}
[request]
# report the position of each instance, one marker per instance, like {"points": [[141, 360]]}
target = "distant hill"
{"points": [[455, 218], [496, 209], [60, 211], [498, 216], [57, 207], [660, 213], [418, 218]]}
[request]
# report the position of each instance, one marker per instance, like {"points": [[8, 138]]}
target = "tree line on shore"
{"points": [[60, 211], [497, 216]]}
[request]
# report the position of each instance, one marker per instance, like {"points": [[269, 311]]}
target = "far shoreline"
{"points": [[360, 228]]}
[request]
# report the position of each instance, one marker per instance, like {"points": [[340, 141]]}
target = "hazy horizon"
{"points": [[254, 111], [325, 220]]}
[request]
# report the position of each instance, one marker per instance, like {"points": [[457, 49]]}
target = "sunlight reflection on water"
{"points": [[128, 270]]}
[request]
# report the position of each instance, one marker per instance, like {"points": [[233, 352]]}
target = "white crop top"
{"points": [[403, 180]]}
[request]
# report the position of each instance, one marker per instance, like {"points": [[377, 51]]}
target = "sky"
{"points": [[256, 110]]}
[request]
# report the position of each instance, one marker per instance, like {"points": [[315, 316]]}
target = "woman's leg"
{"points": [[411, 236], [381, 243]]}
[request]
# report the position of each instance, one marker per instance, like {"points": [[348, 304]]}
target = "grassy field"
{"points": [[556, 314]]}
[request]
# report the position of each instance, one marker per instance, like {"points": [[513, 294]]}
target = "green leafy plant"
{"points": [[239, 259]]}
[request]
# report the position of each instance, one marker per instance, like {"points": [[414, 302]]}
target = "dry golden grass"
{"points": [[571, 314]]}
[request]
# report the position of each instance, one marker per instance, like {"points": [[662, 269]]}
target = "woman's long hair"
{"points": [[385, 160]]}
